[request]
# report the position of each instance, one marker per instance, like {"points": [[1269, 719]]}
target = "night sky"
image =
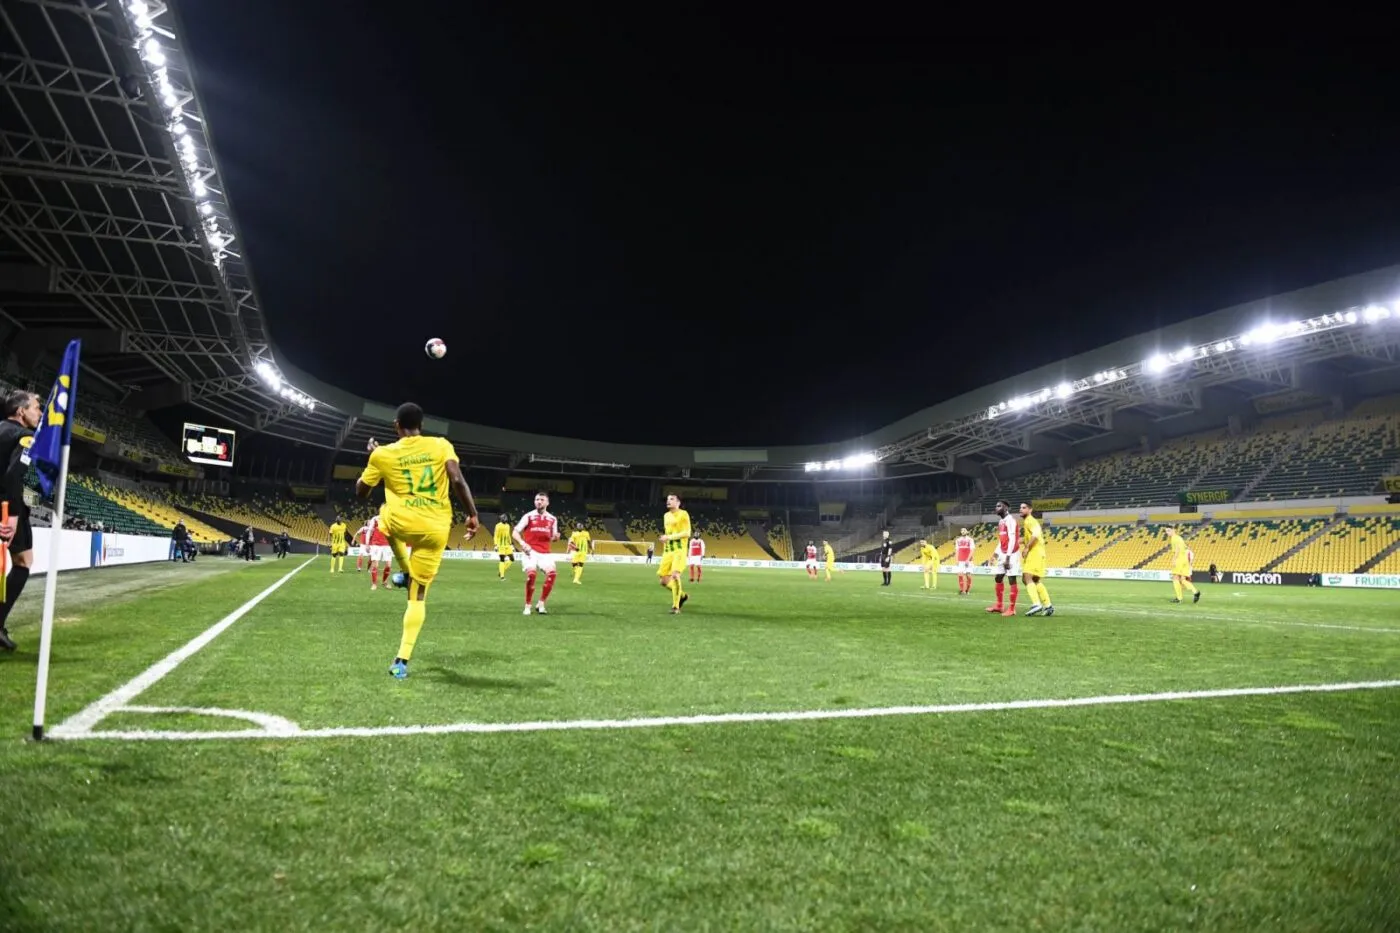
{"points": [[599, 211]]}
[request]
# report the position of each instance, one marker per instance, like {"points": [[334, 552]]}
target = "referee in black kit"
{"points": [[22, 413], [886, 558]]}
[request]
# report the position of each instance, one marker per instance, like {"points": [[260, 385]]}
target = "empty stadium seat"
{"points": [[1346, 546], [1156, 478], [1250, 545], [1340, 458]]}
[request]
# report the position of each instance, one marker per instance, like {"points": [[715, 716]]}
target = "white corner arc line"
{"points": [[718, 718], [82, 722], [272, 725]]}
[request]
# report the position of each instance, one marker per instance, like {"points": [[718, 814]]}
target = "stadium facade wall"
{"points": [[78, 550], [1369, 581]]}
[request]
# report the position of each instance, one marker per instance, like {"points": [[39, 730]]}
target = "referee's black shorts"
{"points": [[885, 564], [24, 535]]}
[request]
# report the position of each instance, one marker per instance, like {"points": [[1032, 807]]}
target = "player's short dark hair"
{"points": [[1003, 502], [16, 399], [409, 416], [503, 518], [542, 493]]}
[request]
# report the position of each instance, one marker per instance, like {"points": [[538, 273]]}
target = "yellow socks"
{"points": [[501, 566], [578, 573], [828, 576], [1176, 585], [926, 579], [413, 617], [1190, 587], [1044, 594], [676, 593]]}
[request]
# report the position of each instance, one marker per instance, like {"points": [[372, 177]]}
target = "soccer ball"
{"points": [[435, 349]]}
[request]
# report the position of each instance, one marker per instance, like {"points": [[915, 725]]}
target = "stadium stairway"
{"points": [[1324, 529], [1120, 537], [618, 531], [231, 529], [1392, 548], [760, 536], [1294, 442]]}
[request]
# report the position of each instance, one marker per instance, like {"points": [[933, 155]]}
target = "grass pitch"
{"points": [[1277, 811]]}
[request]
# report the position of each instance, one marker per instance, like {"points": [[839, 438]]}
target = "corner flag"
{"points": [[56, 427], [49, 455]]}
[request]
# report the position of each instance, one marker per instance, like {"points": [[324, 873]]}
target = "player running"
{"points": [[1006, 558], [676, 531], [580, 546], [505, 547], [962, 554], [811, 556], [1033, 562], [829, 557], [1181, 565], [419, 474], [534, 533], [928, 556], [380, 555], [696, 558], [338, 545]]}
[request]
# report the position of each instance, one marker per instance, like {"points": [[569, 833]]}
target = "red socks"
{"points": [[1014, 591], [1001, 589], [548, 585], [529, 587]]}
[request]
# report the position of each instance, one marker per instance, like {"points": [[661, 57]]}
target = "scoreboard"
{"points": [[212, 446]]}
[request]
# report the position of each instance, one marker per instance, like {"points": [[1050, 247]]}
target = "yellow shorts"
{"points": [[1033, 567], [831, 565], [671, 562], [578, 557], [338, 550], [427, 541], [1181, 570]]}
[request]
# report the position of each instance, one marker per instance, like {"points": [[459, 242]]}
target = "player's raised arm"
{"points": [[459, 485]]}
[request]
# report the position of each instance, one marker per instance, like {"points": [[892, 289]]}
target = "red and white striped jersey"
{"points": [[697, 547], [377, 538], [538, 530], [811, 552], [965, 546], [1009, 535]]}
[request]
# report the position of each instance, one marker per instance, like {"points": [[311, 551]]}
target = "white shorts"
{"points": [[381, 552], [964, 566], [1000, 563], [811, 565], [537, 561], [694, 560]]}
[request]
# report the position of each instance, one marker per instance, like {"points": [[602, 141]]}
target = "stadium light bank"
{"points": [[1256, 340], [853, 462], [150, 23]]}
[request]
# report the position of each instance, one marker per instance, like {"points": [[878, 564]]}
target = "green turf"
{"points": [[1241, 813]]}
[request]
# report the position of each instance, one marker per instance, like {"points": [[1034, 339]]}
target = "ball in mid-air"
{"points": [[435, 349]]}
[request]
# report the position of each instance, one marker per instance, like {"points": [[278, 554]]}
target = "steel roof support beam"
{"points": [[66, 221], [22, 154]]}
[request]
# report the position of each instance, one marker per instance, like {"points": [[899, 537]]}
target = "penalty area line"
{"points": [[719, 718], [81, 723]]}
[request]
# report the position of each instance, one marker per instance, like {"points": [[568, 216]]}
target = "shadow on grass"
{"points": [[474, 682]]}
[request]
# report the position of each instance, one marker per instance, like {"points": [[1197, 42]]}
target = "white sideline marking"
{"points": [[1186, 613], [74, 726], [717, 718]]}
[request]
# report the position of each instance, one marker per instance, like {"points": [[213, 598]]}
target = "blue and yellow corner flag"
{"points": [[56, 426]]}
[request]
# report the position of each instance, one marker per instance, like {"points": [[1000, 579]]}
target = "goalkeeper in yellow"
{"points": [[829, 557], [338, 545], [1181, 565], [418, 474], [676, 525], [1033, 562], [505, 546], [928, 556], [580, 546]]}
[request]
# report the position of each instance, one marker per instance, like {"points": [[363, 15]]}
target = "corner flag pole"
{"points": [[41, 685], [49, 454]]}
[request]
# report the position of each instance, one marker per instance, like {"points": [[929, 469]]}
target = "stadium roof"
{"points": [[114, 226]]}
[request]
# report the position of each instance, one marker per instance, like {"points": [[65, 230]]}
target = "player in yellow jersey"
{"points": [[580, 546], [928, 556], [505, 547], [1181, 565], [338, 545], [828, 555], [1033, 562], [419, 474], [676, 527]]}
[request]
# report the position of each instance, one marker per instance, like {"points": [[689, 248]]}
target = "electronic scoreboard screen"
{"points": [[212, 446]]}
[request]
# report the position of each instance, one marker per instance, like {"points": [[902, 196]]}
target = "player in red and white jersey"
{"points": [[811, 557], [361, 540], [1006, 560], [381, 556], [534, 533], [695, 557], [962, 554]]}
